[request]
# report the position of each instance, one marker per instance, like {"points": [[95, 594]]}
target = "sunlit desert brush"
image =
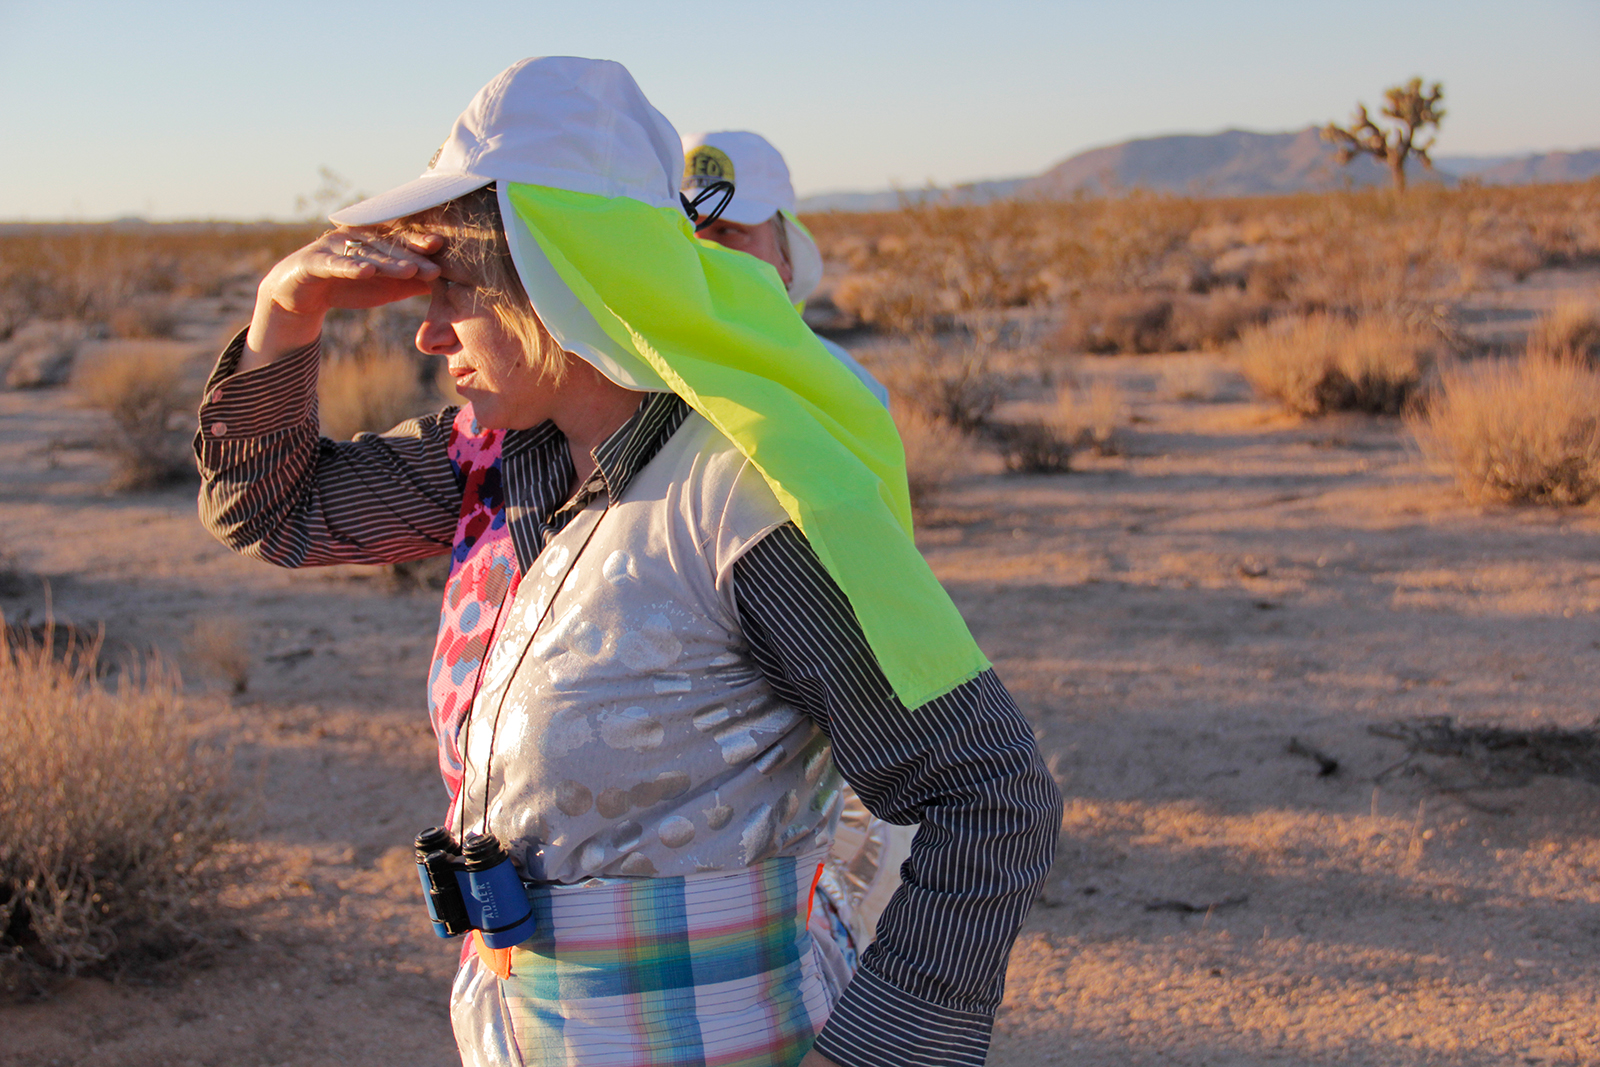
{"points": [[367, 393], [947, 396], [1160, 273], [372, 377], [1089, 415], [969, 287], [125, 278], [107, 813], [1518, 431], [1325, 362], [1570, 331], [140, 385], [952, 383]]}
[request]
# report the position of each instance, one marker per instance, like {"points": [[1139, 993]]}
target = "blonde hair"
{"points": [[475, 245]]}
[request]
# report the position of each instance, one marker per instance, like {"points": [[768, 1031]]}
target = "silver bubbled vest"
{"points": [[631, 735]]}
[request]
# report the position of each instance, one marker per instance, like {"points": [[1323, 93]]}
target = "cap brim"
{"points": [[748, 212], [430, 190], [806, 262]]}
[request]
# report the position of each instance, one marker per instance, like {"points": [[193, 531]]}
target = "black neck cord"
{"points": [[477, 685], [724, 189], [505, 690]]}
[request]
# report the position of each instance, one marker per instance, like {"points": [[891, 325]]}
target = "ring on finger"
{"points": [[353, 248]]}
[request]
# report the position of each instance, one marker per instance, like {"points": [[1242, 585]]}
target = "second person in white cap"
{"points": [[760, 218]]}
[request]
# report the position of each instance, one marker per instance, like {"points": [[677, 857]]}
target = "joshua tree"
{"points": [[1409, 111]]}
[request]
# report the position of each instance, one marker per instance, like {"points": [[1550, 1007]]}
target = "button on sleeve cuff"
{"points": [[260, 401]]}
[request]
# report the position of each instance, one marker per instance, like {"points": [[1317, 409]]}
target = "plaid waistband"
{"points": [[637, 934], [715, 969]]}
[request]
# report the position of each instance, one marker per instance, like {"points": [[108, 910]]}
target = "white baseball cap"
{"points": [[762, 188], [559, 121]]}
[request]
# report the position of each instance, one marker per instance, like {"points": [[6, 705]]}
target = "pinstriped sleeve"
{"points": [[273, 488], [964, 765]]}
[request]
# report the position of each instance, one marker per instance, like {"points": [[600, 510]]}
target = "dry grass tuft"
{"points": [[1194, 381], [107, 814], [1324, 363], [1032, 447], [1106, 324], [141, 386], [957, 385], [1571, 331], [1089, 417], [145, 317], [1522, 432], [372, 377], [368, 392], [1119, 322]]}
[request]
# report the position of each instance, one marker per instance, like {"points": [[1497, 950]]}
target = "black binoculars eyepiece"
{"points": [[437, 859]]}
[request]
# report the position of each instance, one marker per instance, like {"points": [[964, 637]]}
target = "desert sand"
{"points": [[1188, 624]]}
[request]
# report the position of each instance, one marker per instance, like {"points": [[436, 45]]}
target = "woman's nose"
{"points": [[436, 336]]}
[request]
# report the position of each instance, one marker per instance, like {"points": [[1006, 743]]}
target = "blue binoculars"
{"points": [[473, 887]]}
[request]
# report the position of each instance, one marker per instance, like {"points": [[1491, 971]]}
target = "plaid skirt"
{"points": [[716, 969]]}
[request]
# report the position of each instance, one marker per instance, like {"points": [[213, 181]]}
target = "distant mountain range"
{"points": [[1230, 163]]}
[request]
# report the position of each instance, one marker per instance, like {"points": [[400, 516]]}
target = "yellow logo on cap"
{"points": [[705, 166]]}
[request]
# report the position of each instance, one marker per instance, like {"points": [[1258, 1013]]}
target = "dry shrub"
{"points": [[1192, 379], [385, 329], [1084, 417], [141, 386], [1032, 447], [1570, 331], [1522, 432], [41, 353], [1324, 363], [373, 378], [13, 581], [885, 299], [1214, 321], [1119, 322], [1143, 322], [1088, 417], [935, 453], [220, 645], [955, 384], [107, 814], [431, 574], [145, 317], [945, 403], [368, 392]]}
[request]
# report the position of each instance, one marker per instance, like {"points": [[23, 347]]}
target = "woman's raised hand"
{"points": [[344, 268]]}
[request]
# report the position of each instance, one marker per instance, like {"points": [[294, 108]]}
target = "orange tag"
{"points": [[497, 960], [811, 900]]}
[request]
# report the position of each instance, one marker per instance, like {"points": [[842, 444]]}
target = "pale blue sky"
{"points": [[184, 109]]}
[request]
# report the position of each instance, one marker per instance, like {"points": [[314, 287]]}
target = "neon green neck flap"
{"points": [[715, 327]]}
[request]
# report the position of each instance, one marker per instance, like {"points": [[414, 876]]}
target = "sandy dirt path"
{"points": [[1169, 620]]}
